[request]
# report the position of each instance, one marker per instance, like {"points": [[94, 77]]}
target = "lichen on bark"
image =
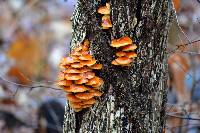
{"points": [[134, 97]]}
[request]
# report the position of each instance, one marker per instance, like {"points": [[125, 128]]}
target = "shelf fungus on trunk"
{"points": [[105, 10], [126, 53], [78, 79]]}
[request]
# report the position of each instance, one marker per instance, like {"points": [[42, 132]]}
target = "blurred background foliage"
{"points": [[35, 34]]}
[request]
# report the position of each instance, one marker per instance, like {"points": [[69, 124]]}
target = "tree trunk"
{"points": [[134, 97]]}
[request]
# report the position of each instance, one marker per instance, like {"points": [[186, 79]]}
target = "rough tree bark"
{"points": [[134, 97]]}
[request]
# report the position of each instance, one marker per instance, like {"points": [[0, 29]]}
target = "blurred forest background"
{"points": [[35, 34]]}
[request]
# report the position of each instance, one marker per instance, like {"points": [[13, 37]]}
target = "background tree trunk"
{"points": [[134, 97]]}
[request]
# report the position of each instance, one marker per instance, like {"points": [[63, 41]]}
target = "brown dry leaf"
{"points": [[27, 54]]}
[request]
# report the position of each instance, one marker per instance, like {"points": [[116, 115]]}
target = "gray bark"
{"points": [[134, 97]]}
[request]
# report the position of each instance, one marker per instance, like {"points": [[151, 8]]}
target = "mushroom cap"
{"points": [[121, 53], [72, 98], [75, 105], [104, 9], [95, 92], [81, 81], [64, 83], [86, 45], [96, 66], [85, 69], [93, 81], [88, 62], [73, 70], [85, 57], [131, 54], [97, 85], [115, 63], [77, 109], [84, 95], [63, 66], [77, 65], [129, 47], [73, 76], [123, 60], [88, 75], [79, 48], [123, 41], [90, 101], [61, 75], [106, 22], [77, 88], [67, 60]]}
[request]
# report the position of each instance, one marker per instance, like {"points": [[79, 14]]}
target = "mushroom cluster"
{"points": [[78, 79], [105, 10], [126, 52]]}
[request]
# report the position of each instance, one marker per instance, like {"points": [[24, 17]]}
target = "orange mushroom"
{"points": [[95, 92], [73, 76], [129, 47], [106, 22], [77, 109], [85, 57], [88, 75], [131, 54], [93, 81], [104, 9], [87, 105], [75, 104], [72, 98], [96, 66], [121, 53], [123, 41], [72, 70], [67, 60], [84, 95], [77, 88], [88, 62], [90, 101], [64, 83], [61, 76], [77, 65], [123, 60], [81, 81]]}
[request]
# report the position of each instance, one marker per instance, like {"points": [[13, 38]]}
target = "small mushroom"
{"points": [[61, 76], [72, 98], [129, 47], [121, 53], [73, 76], [98, 84], [88, 62], [77, 88], [81, 81], [67, 60], [85, 57], [64, 83], [72, 70], [90, 101], [131, 54], [95, 92], [96, 66], [123, 60], [88, 75], [84, 95], [123, 41], [104, 9], [93, 81], [75, 104], [77, 109], [115, 63], [106, 22], [85, 69], [77, 65]]}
